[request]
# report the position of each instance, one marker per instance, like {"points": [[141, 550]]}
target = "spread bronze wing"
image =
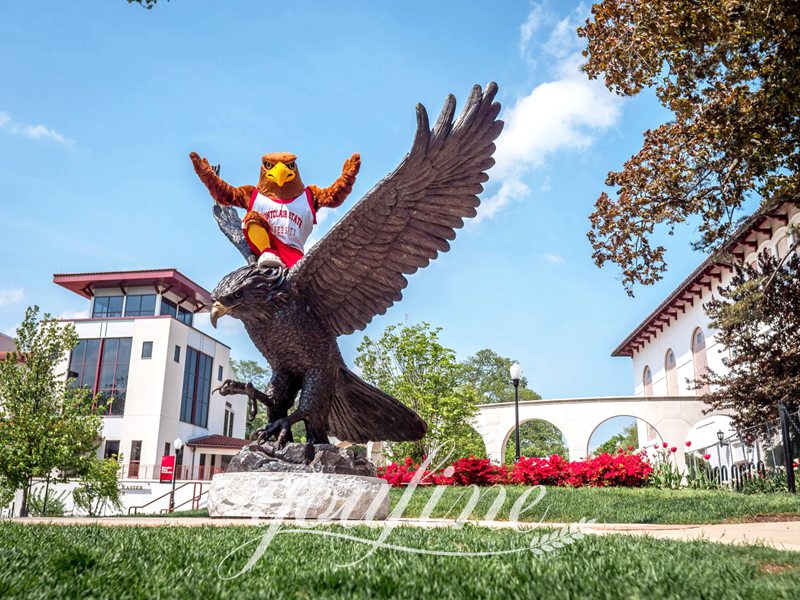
{"points": [[358, 269]]}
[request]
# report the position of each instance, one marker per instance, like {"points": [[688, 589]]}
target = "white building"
{"points": [[155, 372], [675, 344]]}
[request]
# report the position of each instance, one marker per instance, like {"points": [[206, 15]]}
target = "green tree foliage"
{"points": [[410, 363], [487, 372], [48, 427], [729, 73], [249, 371], [758, 320], [147, 4], [537, 438], [45, 502], [628, 437], [100, 488]]}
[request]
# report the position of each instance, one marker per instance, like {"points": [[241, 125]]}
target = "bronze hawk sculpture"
{"points": [[358, 270]]}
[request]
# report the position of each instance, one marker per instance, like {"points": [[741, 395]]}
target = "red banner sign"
{"points": [[167, 468]]}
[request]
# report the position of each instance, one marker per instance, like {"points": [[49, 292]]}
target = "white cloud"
{"points": [[34, 132], [11, 296], [553, 259], [565, 113], [531, 25]]}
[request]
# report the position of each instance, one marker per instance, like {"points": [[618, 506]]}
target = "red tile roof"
{"points": [[217, 441], [170, 278], [7, 343], [709, 269]]}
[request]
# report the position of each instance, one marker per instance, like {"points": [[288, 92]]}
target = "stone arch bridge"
{"points": [[671, 416]]}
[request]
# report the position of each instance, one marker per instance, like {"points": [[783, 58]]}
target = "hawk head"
{"points": [[279, 176], [248, 291]]}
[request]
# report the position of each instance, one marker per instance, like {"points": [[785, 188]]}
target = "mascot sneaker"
{"points": [[270, 260]]}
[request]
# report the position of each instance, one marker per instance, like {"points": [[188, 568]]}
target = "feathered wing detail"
{"points": [[358, 269], [361, 413], [231, 225]]}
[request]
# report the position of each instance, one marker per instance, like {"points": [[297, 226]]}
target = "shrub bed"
{"points": [[621, 469]]}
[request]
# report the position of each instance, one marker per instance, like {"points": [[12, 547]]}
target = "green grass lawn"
{"points": [[51, 561], [613, 505], [606, 505]]}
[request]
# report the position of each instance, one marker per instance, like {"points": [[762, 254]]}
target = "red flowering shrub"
{"points": [[477, 471], [540, 471], [401, 474], [621, 469], [629, 470]]}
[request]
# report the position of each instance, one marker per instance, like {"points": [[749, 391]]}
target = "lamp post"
{"points": [[516, 373], [178, 444], [720, 437]]}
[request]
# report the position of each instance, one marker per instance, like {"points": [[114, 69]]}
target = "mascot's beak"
{"points": [[280, 173], [218, 309]]}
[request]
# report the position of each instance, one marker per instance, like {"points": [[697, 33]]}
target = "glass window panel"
{"points": [[117, 406], [110, 349], [90, 363], [147, 349], [100, 306], [115, 306], [124, 356], [107, 373], [132, 306], [136, 450], [185, 316], [140, 305], [148, 308], [168, 307], [76, 361], [196, 387], [111, 449]]}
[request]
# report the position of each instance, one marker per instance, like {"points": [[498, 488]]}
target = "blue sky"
{"points": [[102, 102]]}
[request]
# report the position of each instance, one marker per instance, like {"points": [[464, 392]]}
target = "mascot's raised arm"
{"points": [[281, 210]]}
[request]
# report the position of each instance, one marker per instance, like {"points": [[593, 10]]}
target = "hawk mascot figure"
{"points": [[358, 270], [281, 210]]}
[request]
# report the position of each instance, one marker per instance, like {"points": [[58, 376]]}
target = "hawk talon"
{"points": [[230, 387], [281, 429]]}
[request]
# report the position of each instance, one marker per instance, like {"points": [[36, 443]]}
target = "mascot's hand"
{"points": [[352, 165], [201, 165]]}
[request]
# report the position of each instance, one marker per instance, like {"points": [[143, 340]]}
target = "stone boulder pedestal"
{"points": [[279, 495], [299, 481]]}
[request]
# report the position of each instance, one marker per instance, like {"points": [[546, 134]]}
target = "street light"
{"points": [[720, 437], [178, 444], [516, 373]]}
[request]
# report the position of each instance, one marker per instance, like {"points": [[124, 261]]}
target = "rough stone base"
{"points": [[323, 496]]}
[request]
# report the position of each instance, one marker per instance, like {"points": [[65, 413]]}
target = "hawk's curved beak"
{"points": [[280, 173], [218, 309]]}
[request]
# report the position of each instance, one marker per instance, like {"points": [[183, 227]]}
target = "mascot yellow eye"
{"points": [[290, 165], [267, 165]]}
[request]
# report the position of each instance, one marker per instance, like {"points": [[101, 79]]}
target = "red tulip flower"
{"points": [[706, 456], [630, 448], [665, 444], [673, 449], [688, 444]]}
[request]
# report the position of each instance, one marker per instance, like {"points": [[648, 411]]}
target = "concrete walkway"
{"points": [[784, 535]]}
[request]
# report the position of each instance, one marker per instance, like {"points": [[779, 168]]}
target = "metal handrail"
{"points": [[135, 509], [195, 500]]}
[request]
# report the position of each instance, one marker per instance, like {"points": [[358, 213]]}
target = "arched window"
{"points": [[699, 357], [647, 382], [671, 373]]}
